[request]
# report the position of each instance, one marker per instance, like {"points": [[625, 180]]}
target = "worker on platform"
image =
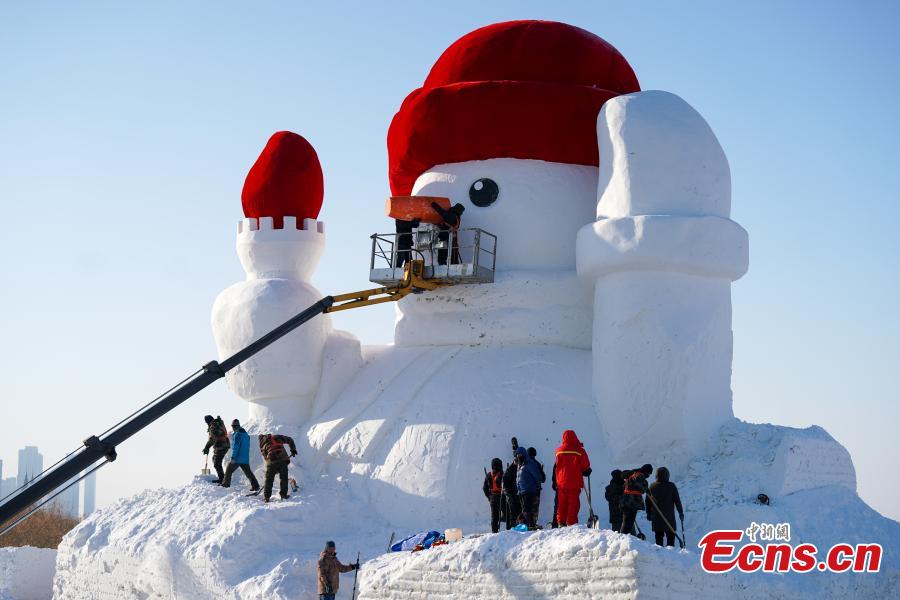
{"points": [[572, 466], [277, 460], [217, 439], [240, 457], [633, 495], [330, 569], [451, 220], [493, 491], [404, 242]]}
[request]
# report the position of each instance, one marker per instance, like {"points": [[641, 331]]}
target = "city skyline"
{"points": [[77, 501]]}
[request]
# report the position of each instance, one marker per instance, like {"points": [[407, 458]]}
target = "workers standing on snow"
{"points": [[493, 491], [613, 495], [532, 452], [633, 495], [555, 522], [330, 569], [662, 500], [572, 465], [511, 491], [528, 484], [240, 457], [277, 460], [218, 441]]}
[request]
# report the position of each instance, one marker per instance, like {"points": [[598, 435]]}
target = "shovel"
{"points": [[666, 521], [355, 577], [593, 520], [205, 469]]}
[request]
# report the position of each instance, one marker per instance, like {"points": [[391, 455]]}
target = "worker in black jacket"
{"points": [[493, 491], [404, 241], [614, 491], [511, 491], [450, 220], [555, 522], [662, 502]]}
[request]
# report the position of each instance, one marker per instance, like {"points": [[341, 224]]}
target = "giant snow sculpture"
{"points": [[633, 348]]}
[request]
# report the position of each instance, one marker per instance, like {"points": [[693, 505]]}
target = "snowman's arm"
{"points": [[661, 257]]}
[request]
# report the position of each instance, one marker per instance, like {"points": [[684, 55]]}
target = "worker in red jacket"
{"points": [[572, 465]]}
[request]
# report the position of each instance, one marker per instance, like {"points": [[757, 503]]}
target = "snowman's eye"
{"points": [[484, 192]]}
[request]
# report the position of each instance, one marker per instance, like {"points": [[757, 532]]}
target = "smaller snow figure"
{"points": [[330, 569]]}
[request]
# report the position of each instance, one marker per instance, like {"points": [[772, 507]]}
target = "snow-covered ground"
{"points": [[26, 573], [201, 541], [573, 562]]}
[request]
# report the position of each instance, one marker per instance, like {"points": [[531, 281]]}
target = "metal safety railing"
{"points": [[455, 256]]}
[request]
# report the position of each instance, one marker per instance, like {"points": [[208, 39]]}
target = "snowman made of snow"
{"points": [[610, 312]]}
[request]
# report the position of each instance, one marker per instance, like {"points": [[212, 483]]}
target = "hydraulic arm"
{"points": [[103, 447]]}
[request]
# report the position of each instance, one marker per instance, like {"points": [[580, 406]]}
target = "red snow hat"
{"points": [[285, 181], [520, 89]]}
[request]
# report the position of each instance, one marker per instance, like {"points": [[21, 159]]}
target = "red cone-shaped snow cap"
{"points": [[285, 181]]}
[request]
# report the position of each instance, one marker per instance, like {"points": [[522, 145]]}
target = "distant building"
{"points": [[31, 463], [90, 494], [68, 502], [8, 486], [77, 501]]}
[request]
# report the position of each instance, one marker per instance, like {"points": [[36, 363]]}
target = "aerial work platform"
{"points": [[450, 257]]}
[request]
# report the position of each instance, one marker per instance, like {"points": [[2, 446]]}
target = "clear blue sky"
{"points": [[126, 132]]}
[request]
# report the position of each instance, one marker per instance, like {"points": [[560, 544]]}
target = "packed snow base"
{"points": [[26, 573], [202, 541], [574, 562]]}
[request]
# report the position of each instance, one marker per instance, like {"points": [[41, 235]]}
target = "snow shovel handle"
{"points": [[355, 577]]}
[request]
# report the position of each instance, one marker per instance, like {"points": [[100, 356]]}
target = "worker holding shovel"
{"points": [[572, 465], [663, 500]]}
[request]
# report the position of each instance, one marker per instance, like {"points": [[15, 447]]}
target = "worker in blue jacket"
{"points": [[240, 456], [528, 483]]}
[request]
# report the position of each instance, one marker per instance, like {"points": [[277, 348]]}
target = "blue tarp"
{"points": [[425, 538]]}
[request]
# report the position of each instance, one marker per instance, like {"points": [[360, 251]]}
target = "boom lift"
{"points": [[421, 273]]}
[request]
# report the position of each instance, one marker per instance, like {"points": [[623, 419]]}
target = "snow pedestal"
{"points": [[201, 541], [563, 563], [280, 382], [662, 255], [26, 573]]}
